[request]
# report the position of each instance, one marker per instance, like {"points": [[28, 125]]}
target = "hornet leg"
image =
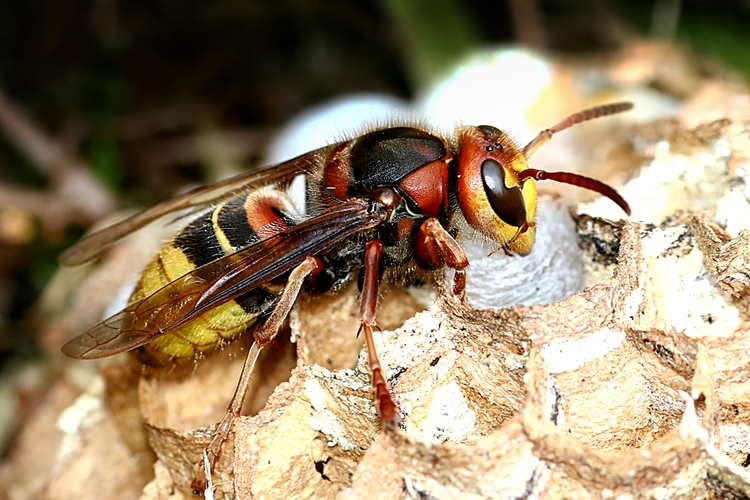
{"points": [[263, 335], [386, 407]]}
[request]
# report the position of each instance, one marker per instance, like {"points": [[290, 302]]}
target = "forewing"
{"points": [[92, 245], [224, 279]]}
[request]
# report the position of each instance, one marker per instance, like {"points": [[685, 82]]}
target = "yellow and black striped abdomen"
{"points": [[238, 222]]}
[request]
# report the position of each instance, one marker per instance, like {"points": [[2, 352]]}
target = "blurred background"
{"points": [[107, 104]]}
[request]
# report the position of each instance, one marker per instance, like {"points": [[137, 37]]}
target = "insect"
{"points": [[388, 204]]}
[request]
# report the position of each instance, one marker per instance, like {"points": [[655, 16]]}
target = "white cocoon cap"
{"points": [[550, 273]]}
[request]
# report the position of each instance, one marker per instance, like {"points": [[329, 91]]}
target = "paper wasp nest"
{"points": [[637, 386]]}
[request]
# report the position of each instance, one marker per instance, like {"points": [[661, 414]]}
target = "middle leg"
{"points": [[386, 407]]}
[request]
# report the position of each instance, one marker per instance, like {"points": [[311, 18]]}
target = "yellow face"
{"points": [[492, 198]]}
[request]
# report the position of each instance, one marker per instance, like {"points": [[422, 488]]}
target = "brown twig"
{"points": [[75, 193]]}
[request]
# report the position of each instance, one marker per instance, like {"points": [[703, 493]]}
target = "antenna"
{"points": [[569, 177]]}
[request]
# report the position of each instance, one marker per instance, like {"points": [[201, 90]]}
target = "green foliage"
{"points": [[435, 34]]}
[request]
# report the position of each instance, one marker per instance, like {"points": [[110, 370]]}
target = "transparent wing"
{"points": [[92, 245], [217, 282]]}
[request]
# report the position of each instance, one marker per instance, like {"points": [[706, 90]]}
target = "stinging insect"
{"points": [[385, 205]]}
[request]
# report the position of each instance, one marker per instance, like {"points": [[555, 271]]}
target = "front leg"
{"points": [[435, 248], [386, 407]]}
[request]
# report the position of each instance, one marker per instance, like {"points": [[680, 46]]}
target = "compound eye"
{"points": [[508, 203]]}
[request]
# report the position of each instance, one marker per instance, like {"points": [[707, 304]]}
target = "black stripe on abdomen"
{"points": [[232, 220], [198, 241], [257, 301]]}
